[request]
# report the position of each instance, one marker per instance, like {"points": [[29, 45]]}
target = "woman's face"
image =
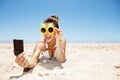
{"points": [[47, 36]]}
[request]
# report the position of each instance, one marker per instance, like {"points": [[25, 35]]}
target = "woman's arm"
{"points": [[60, 50], [30, 62], [60, 46], [39, 47]]}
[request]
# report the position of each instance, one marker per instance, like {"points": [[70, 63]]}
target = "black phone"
{"points": [[18, 46]]}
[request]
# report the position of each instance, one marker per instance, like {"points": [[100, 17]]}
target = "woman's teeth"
{"points": [[48, 37]]}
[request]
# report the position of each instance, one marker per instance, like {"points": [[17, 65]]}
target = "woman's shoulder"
{"points": [[41, 44]]}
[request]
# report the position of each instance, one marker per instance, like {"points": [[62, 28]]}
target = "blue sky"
{"points": [[82, 21]]}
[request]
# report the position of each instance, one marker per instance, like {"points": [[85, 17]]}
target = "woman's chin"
{"points": [[48, 40]]}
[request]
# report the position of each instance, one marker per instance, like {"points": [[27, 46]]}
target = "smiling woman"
{"points": [[53, 45]]}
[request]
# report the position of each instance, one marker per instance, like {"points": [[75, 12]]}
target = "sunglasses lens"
{"points": [[50, 29], [43, 30]]}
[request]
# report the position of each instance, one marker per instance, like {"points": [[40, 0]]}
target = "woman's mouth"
{"points": [[48, 37]]}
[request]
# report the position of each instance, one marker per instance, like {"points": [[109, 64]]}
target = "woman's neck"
{"points": [[51, 44]]}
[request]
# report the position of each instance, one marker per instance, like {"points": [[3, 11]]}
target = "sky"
{"points": [[82, 21]]}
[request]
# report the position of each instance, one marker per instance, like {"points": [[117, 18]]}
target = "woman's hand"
{"points": [[58, 34], [26, 62]]}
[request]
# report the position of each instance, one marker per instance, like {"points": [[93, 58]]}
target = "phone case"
{"points": [[18, 47]]}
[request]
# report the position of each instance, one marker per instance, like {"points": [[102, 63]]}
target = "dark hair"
{"points": [[53, 19]]}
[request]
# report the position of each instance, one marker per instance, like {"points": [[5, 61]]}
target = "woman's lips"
{"points": [[48, 37]]}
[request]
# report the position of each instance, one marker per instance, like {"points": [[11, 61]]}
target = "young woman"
{"points": [[52, 45]]}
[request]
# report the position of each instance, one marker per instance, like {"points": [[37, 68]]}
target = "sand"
{"points": [[83, 62]]}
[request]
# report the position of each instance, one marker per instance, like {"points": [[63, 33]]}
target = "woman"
{"points": [[53, 44]]}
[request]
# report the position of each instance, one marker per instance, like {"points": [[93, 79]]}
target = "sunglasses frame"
{"points": [[50, 25]]}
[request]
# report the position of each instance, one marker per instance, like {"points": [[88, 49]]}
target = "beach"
{"points": [[90, 61]]}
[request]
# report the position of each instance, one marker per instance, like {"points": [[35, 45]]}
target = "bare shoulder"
{"points": [[41, 44]]}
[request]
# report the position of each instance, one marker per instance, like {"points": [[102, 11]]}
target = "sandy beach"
{"points": [[83, 62]]}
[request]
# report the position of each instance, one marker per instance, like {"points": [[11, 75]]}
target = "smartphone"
{"points": [[18, 46]]}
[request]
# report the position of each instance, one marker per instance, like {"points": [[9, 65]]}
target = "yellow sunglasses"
{"points": [[50, 29]]}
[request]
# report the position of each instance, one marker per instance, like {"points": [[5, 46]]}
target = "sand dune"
{"points": [[83, 62]]}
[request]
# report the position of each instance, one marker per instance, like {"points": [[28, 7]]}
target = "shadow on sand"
{"points": [[44, 62], [18, 76], [49, 63]]}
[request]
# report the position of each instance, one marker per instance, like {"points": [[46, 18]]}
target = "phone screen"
{"points": [[18, 46]]}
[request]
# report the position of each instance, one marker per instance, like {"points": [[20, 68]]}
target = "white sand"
{"points": [[84, 62]]}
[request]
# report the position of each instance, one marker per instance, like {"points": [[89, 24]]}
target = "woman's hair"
{"points": [[53, 19]]}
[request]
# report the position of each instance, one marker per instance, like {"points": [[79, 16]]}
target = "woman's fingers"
{"points": [[18, 57], [58, 31], [24, 61], [21, 60]]}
